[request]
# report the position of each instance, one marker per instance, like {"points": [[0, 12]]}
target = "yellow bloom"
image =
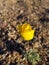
{"points": [[26, 31]]}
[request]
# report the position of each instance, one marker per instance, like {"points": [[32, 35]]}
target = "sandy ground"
{"points": [[12, 45]]}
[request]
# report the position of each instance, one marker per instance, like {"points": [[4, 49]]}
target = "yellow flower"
{"points": [[26, 31]]}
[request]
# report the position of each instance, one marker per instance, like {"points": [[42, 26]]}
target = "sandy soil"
{"points": [[12, 46]]}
